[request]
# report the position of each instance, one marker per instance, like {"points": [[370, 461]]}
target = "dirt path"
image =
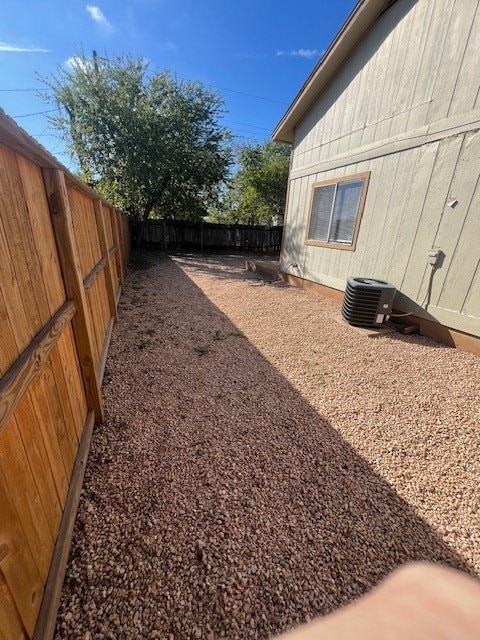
{"points": [[261, 463]]}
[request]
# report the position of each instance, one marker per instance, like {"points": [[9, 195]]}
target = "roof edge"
{"points": [[358, 22]]}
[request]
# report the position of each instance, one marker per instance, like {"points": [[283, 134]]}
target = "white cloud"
{"points": [[98, 16], [75, 62], [301, 53], [14, 48]]}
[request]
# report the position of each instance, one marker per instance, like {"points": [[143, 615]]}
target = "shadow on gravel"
{"points": [[143, 259], [229, 506], [224, 266]]}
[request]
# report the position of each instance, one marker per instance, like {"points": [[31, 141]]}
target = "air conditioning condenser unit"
{"points": [[367, 302]]}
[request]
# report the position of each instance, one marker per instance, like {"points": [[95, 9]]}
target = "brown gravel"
{"points": [[262, 463]]}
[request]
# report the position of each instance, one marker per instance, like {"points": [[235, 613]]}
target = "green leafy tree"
{"points": [[146, 142], [257, 192]]}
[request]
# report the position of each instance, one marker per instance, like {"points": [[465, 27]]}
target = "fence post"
{"points": [[121, 237], [165, 234], [119, 252], [102, 236], [61, 217]]}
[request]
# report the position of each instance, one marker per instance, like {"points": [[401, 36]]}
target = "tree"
{"points": [[257, 192], [144, 141]]}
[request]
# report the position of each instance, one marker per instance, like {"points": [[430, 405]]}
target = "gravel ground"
{"points": [[262, 463]]}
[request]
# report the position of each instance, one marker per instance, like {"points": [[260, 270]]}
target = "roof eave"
{"points": [[359, 21]]}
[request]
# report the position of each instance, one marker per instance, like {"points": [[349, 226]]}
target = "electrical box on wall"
{"points": [[433, 256]]}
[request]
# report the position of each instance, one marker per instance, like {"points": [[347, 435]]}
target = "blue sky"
{"points": [[263, 49]]}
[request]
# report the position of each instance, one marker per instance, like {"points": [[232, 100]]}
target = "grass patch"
{"points": [[202, 350], [236, 334]]}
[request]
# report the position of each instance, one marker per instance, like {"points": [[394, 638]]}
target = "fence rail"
{"points": [[177, 234], [63, 252]]}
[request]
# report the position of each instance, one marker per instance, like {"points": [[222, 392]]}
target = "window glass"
{"points": [[345, 211], [335, 208], [321, 212]]}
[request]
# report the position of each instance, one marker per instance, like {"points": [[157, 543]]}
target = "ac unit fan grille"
{"points": [[367, 301]]}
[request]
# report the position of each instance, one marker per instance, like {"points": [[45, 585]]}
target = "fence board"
{"points": [[65, 431], [118, 254], [104, 306], [178, 234], [57, 438], [15, 314], [42, 232], [66, 353], [124, 238], [22, 247], [107, 223], [105, 239], [25, 498], [17, 564], [85, 229], [73, 422], [9, 350], [96, 339], [50, 441], [47, 469], [113, 267], [97, 299], [103, 355], [28, 429], [10, 622]]}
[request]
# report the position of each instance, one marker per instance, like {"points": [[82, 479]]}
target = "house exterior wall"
{"points": [[405, 106]]}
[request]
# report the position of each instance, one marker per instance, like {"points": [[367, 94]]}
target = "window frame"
{"points": [[365, 176]]}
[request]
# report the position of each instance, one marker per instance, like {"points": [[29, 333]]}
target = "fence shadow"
{"points": [[248, 510]]}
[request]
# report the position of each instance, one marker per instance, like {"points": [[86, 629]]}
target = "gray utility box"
{"points": [[367, 302]]}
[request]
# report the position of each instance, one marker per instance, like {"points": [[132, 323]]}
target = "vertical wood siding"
{"points": [[417, 65], [405, 107], [44, 400]]}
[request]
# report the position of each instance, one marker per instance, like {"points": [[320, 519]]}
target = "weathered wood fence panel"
{"points": [[178, 234], [63, 253]]}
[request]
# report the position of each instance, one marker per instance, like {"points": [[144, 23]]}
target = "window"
{"points": [[336, 211]]}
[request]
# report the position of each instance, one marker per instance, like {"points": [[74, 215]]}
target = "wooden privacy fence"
{"points": [[63, 252], [178, 234]]}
